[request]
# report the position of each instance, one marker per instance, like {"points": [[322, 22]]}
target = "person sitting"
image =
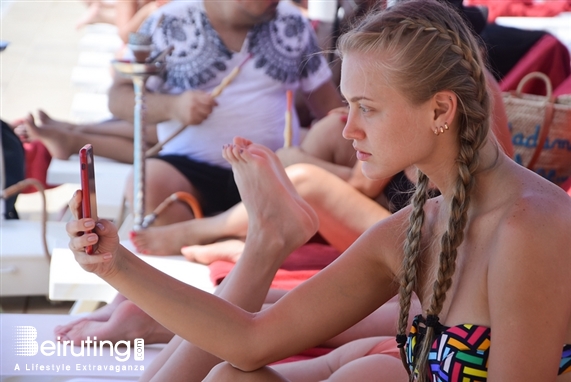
{"points": [[277, 51], [415, 83]]}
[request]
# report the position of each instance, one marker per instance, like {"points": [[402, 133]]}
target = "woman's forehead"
{"points": [[361, 75]]}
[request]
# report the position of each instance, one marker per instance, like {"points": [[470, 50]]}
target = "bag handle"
{"points": [[549, 112], [532, 75]]}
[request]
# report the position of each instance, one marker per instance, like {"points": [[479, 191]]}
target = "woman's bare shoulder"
{"points": [[537, 222]]}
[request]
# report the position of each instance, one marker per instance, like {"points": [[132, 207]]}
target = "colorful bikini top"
{"points": [[459, 353]]}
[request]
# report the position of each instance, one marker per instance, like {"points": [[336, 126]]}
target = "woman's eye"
{"points": [[363, 109]]}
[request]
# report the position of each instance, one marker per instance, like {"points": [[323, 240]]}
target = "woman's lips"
{"points": [[363, 156]]}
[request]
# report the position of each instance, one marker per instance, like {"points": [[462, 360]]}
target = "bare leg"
{"points": [[112, 127], [227, 250], [344, 214], [258, 175], [350, 362], [225, 372], [168, 240], [62, 143]]}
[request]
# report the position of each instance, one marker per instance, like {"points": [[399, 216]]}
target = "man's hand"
{"points": [[192, 107]]}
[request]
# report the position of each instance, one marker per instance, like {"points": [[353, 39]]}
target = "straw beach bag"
{"points": [[541, 130]]}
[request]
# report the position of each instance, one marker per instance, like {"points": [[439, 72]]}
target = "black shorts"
{"points": [[216, 186]]}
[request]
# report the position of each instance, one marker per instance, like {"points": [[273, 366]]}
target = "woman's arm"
{"points": [[325, 305]]}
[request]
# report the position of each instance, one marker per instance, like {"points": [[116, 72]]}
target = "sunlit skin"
{"points": [[385, 128]]}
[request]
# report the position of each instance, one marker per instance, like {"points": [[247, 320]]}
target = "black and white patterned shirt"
{"points": [[283, 55]]}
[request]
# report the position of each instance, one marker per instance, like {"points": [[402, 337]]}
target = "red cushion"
{"points": [[38, 160], [303, 263]]}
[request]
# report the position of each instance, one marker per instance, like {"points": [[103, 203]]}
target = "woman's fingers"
{"points": [[78, 227], [75, 204], [78, 243]]}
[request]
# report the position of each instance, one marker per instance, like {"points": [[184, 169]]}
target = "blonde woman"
{"points": [[488, 258]]}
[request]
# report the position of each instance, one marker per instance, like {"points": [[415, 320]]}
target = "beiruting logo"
{"points": [[26, 345]]}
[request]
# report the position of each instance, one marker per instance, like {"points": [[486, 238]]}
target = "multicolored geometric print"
{"points": [[460, 353], [565, 365]]}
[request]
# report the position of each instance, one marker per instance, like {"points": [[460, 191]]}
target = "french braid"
{"points": [[427, 48]]}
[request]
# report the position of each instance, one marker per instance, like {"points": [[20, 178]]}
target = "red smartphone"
{"points": [[88, 199]]}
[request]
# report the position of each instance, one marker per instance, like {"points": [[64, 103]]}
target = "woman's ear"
{"points": [[444, 104]]}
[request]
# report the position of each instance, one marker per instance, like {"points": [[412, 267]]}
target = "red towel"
{"points": [[303, 263]]}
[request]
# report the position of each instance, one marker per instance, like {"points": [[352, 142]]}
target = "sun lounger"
{"points": [[69, 282], [24, 269]]}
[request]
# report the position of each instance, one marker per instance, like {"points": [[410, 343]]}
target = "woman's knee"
{"points": [[224, 372], [307, 179]]}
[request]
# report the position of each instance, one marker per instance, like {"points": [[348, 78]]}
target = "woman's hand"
{"points": [[103, 238]]}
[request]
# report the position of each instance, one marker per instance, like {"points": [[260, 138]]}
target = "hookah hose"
{"points": [[185, 197], [15, 188]]}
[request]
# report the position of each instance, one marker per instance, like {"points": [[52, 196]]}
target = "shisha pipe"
{"points": [[215, 93], [139, 71], [189, 199]]}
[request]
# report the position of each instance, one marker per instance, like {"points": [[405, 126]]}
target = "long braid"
{"points": [[471, 139], [412, 250]]}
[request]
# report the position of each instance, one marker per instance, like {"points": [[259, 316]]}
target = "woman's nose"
{"points": [[351, 130]]}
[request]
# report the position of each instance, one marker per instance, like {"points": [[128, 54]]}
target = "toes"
{"points": [[243, 142], [44, 117], [228, 154]]}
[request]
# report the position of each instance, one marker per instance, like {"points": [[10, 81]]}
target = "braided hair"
{"points": [[427, 48]]}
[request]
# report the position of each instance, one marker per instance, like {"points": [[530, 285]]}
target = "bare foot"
{"points": [[48, 121], [58, 142], [101, 314], [163, 240], [275, 210], [126, 323], [169, 239], [227, 250]]}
